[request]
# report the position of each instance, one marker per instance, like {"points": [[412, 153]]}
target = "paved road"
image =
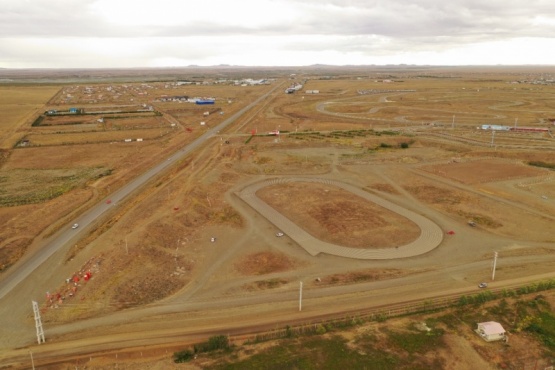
{"points": [[17, 274], [430, 237]]}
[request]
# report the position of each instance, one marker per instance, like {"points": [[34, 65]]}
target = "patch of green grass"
{"points": [[417, 342], [314, 353], [217, 343], [30, 186], [322, 346], [386, 132], [544, 328], [551, 166]]}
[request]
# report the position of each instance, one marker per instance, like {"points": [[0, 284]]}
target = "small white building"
{"points": [[490, 331]]}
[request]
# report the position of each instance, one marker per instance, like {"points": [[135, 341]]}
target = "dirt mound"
{"points": [[264, 263]]}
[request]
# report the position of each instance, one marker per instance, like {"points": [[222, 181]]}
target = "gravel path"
{"points": [[430, 237]]}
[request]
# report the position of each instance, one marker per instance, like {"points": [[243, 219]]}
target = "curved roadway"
{"points": [[430, 237]]}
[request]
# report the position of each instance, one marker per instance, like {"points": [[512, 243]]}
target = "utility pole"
{"points": [[494, 265], [301, 297], [32, 361], [38, 323], [492, 136]]}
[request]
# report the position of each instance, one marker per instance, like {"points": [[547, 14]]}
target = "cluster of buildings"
{"points": [[294, 87], [381, 91], [55, 112], [187, 99], [513, 128], [223, 81]]}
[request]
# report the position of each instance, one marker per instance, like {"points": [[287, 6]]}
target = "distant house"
{"points": [[496, 127], [490, 331], [204, 101]]}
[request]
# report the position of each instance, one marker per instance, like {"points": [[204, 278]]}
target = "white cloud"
{"points": [[68, 33]]}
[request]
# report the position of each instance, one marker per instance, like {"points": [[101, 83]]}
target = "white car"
{"points": [[75, 226], [483, 285], [279, 234]]}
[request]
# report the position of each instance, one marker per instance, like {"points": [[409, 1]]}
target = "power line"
{"points": [[38, 323]]}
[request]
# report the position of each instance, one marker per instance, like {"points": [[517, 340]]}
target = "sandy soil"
{"points": [[339, 217]]}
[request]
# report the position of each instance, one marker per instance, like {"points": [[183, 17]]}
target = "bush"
{"points": [[542, 164], [218, 342], [183, 356], [214, 343], [320, 329]]}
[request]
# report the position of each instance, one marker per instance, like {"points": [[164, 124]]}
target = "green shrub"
{"points": [[214, 343], [183, 356], [551, 166], [320, 329]]}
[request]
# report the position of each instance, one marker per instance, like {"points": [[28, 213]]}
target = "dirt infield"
{"points": [[336, 216], [430, 233]]}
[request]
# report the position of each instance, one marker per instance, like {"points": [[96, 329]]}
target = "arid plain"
{"points": [[185, 256]]}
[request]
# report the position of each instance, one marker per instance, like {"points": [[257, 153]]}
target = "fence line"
{"points": [[396, 310]]}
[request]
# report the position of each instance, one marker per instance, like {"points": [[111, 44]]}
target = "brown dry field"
{"points": [[18, 106], [339, 217], [157, 247]]}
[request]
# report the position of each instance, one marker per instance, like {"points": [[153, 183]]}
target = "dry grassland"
{"points": [[159, 242], [476, 172], [18, 105], [339, 217], [97, 137], [433, 100]]}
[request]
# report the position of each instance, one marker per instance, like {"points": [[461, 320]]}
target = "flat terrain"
{"points": [[184, 257], [338, 217]]}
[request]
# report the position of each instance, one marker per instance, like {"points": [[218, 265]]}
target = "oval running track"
{"points": [[430, 237]]}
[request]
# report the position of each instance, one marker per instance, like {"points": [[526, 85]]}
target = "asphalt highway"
{"points": [[20, 271]]}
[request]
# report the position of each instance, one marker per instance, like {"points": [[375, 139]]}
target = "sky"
{"points": [[173, 33]]}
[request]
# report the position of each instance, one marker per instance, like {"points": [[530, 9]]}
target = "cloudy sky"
{"points": [[125, 33]]}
